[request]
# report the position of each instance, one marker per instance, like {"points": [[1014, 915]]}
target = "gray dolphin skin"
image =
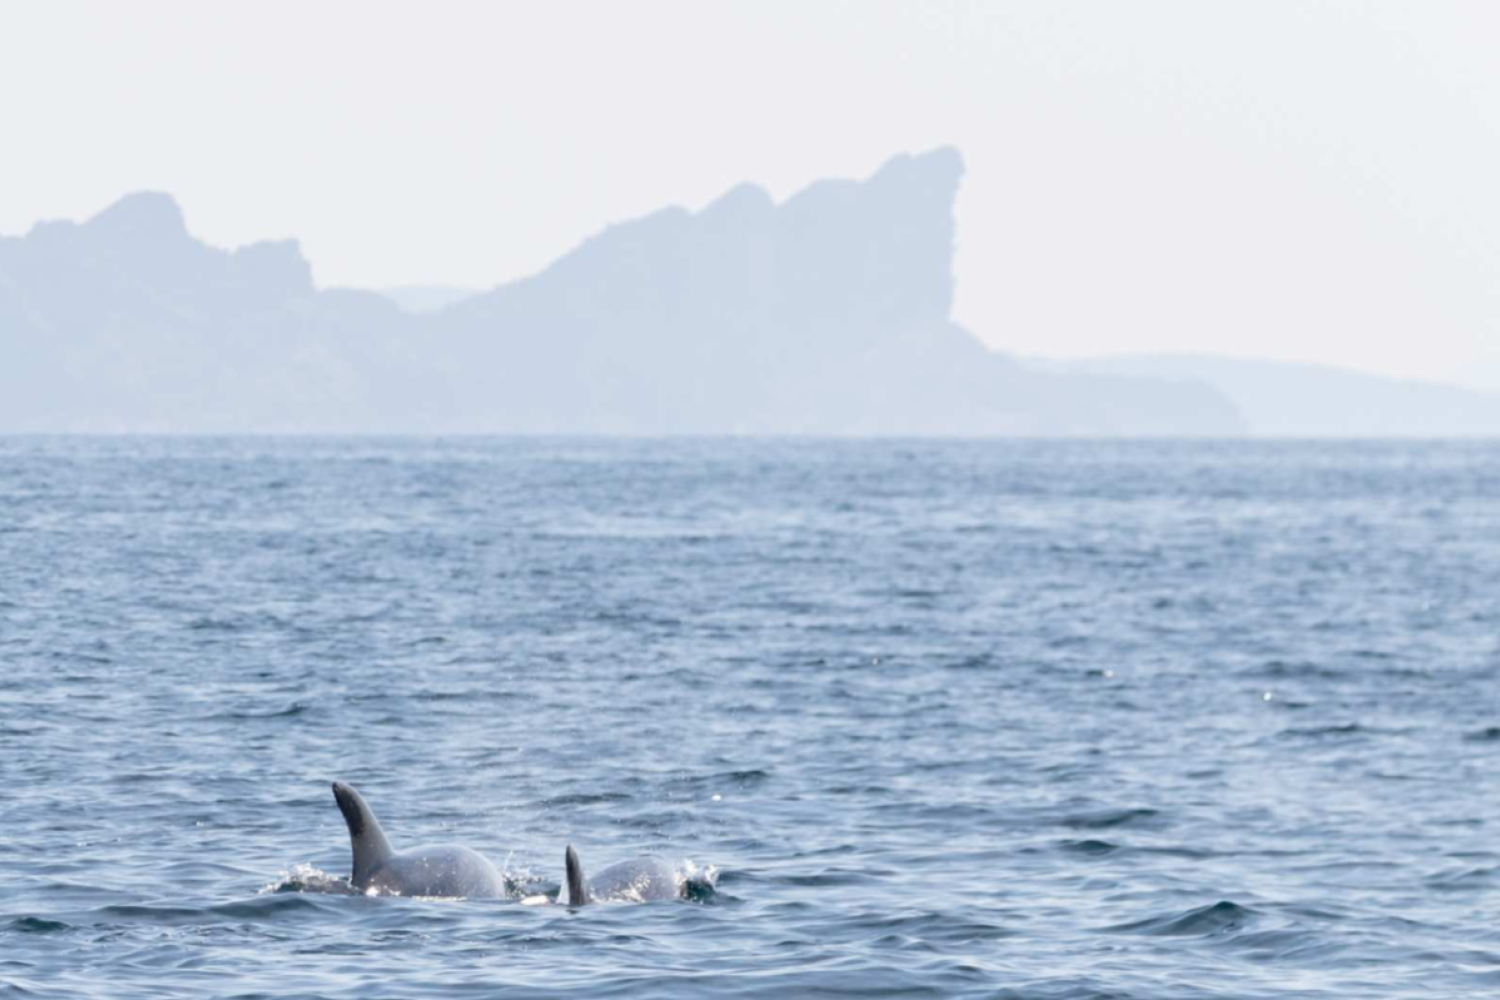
{"points": [[423, 871], [636, 881]]}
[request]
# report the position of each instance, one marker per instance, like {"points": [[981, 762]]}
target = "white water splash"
{"points": [[695, 882], [309, 878]]}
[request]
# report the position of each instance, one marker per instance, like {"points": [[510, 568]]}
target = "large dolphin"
{"points": [[422, 871], [633, 881]]}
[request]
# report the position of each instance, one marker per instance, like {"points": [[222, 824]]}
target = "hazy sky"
{"points": [[1297, 180]]}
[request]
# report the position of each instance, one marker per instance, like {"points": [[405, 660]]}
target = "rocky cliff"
{"points": [[825, 314]]}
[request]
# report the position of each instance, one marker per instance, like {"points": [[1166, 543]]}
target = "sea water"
{"points": [[914, 718]]}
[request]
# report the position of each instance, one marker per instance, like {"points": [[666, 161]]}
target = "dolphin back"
{"points": [[443, 871], [578, 886], [366, 839], [636, 881]]}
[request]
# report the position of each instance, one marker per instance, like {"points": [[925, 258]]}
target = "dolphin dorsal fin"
{"points": [[578, 889], [366, 838]]}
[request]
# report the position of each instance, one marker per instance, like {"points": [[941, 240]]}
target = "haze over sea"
{"points": [[989, 718]]}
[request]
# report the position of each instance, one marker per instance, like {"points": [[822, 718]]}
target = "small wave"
{"points": [[1463, 880], [658, 821], [37, 925], [603, 798], [1105, 819], [739, 780], [863, 791], [1298, 669], [154, 914], [206, 624], [76, 656], [929, 926], [1490, 734], [260, 908], [831, 877], [1323, 732], [1179, 851], [441, 696], [1092, 848], [293, 710], [1282, 944], [1223, 917]]}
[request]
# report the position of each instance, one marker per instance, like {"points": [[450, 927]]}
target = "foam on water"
{"points": [[308, 878]]}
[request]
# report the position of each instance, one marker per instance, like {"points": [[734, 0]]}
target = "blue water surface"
{"points": [[990, 719]]}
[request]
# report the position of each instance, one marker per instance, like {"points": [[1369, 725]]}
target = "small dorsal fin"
{"points": [[578, 887], [366, 839]]}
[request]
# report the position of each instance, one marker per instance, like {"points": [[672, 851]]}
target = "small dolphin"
{"points": [[422, 871], [634, 881]]}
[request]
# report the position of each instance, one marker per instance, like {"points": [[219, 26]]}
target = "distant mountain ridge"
{"points": [[828, 313], [825, 314], [128, 323]]}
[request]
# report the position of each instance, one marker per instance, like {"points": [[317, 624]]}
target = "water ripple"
{"points": [[1065, 720]]}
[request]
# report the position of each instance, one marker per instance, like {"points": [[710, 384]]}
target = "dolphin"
{"points": [[635, 881], [422, 871]]}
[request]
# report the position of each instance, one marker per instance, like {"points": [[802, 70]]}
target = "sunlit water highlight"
{"points": [[1056, 720]]}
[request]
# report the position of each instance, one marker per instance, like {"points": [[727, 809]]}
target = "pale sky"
{"points": [[1294, 180]]}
